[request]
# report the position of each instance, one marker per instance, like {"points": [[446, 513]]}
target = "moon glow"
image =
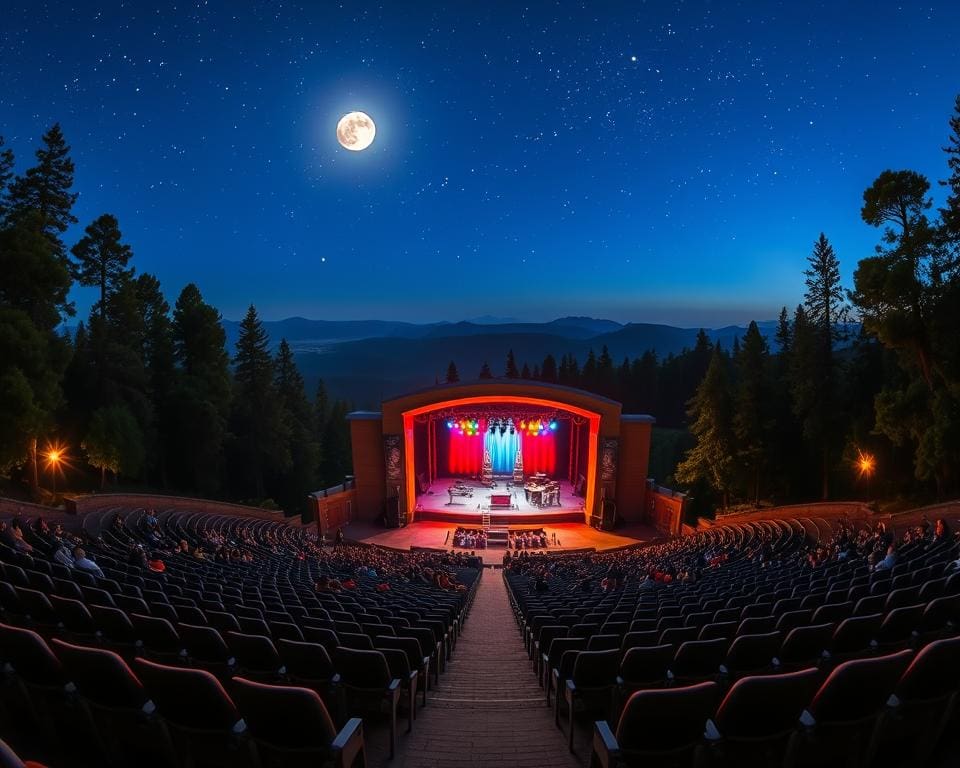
{"points": [[356, 131]]}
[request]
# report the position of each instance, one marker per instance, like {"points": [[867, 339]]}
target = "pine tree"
{"points": [[525, 372], [157, 355], [824, 309], [548, 371], [606, 378], [537, 376], [453, 376], [711, 458], [510, 370], [114, 442], [588, 374], [44, 191], [259, 440], [950, 213], [300, 477], [201, 399], [784, 335], [485, 372], [6, 173], [100, 258], [751, 421]]}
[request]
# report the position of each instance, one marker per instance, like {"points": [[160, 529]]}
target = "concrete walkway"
{"points": [[488, 709]]}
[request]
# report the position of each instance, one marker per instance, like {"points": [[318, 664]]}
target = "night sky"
{"points": [[661, 161]]}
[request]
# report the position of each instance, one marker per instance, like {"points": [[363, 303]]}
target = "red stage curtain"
{"points": [[539, 453], [465, 455]]}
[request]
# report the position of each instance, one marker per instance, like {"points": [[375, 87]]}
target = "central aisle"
{"points": [[488, 709]]}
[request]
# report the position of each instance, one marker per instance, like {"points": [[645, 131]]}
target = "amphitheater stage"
{"points": [[436, 504], [438, 535]]}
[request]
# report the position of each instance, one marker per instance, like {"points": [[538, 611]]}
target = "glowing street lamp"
{"points": [[55, 457]]}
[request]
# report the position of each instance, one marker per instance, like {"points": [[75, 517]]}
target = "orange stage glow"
{"points": [[408, 417]]}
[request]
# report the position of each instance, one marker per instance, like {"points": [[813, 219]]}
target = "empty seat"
{"points": [[592, 684], [657, 727], [290, 726], [365, 683], [839, 722], [122, 710], [697, 660], [255, 656], [757, 716], [202, 718], [751, 653], [804, 646]]}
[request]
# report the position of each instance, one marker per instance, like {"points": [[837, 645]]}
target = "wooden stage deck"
{"points": [[434, 535]]}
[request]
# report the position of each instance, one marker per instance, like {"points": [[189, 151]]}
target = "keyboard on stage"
{"points": [[459, 491]]}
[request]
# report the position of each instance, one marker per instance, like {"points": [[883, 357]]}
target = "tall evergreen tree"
{"points": [[751, 420], [300, 477], [485, 372], [260, 443], [510, 370], [100, 258], [44, 191], [201, 399], [453, 376], [711, 458], [824, 310], [606, 376], [548, 371], [525, 372], [157, 356], [6, 174], [950, 213], [589, 379]]}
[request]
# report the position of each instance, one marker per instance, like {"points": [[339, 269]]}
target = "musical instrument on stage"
{"points": [[541, 491], [459, 490]]}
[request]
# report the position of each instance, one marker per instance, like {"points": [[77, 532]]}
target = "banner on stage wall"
{"points": [[393, 459], [609, 450]]}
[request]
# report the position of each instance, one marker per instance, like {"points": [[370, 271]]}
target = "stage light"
{"points": [[553, 425], [523, 424]]}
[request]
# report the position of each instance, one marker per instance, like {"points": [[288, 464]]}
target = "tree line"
{"points": [[143, 390], [860, 381]]}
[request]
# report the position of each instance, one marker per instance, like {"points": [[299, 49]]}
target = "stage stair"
{"points": [[485, 520], [497, 537]]}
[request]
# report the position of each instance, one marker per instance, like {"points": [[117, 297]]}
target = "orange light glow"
{"points": [[866, 464]]}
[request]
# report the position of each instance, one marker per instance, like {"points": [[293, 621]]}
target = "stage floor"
{"points": [[437, 498], [436, 504], [435, 535]]}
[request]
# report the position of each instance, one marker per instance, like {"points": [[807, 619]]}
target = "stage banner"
{"points": [[609, 453], [393, 459]]}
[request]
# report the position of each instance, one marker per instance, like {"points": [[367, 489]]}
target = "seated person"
{"points": [[82, 563]]}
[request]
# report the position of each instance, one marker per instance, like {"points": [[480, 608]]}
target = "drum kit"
{"points": [[541, 491]]}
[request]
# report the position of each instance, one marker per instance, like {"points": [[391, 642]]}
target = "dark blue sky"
{"points": [[666, 162]]}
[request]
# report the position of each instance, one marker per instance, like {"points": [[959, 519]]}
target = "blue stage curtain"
{"points": [[502, 449]]}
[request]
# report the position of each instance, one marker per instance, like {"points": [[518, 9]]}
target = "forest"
{"points": [[857, 395]]}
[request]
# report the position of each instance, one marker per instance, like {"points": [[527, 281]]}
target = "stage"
{"points": [[438, 535], [436, 504]]}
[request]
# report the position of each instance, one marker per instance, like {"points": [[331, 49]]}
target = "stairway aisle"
{"points": [[488, 709]]}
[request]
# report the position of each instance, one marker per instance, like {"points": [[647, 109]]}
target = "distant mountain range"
{"points": [[365, 361]]}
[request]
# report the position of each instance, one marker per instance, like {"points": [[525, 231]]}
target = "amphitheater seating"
{"points": [[142, 668], [770, 628]]}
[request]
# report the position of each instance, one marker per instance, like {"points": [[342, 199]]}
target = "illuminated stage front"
{"points": [[502, 451]]}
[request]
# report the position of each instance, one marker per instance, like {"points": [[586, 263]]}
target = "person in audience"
{"points": [[889, 561], [82, 563], [155, 563], [62, 555], [13, 537]]}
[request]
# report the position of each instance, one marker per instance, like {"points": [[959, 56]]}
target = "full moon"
{"points": [[355, 131]]}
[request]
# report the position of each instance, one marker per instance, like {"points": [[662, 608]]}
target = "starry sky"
{"points": [[641, 161]]}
